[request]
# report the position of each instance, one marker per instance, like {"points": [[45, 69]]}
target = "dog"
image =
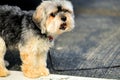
{"points": [[33, 33]]}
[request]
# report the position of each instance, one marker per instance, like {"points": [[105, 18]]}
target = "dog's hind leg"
{"points": [[3, 70]]}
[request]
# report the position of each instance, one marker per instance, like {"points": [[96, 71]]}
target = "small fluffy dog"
{"points": [[33, 33]]}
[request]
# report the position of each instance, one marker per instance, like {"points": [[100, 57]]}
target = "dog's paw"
{"points": [[4, 72], [33, 72]]}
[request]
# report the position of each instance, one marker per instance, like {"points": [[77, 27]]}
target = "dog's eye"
{"points": [[53, 14], [67, 11]]}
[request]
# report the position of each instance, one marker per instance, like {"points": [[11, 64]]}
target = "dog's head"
{"points": [[54, 17]]}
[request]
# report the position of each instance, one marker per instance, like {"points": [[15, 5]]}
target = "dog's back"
{"points": [[10, 23]]}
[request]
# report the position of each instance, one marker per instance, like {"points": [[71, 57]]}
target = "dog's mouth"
{"points": [[63, 26]]}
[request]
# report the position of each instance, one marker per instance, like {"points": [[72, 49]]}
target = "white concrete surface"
{"points": [[17, 75]]}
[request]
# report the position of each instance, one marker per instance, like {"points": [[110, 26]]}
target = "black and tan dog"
{"points": [[33, 33]]}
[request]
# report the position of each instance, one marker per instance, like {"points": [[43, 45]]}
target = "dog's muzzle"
{"points": [[63, 26]]}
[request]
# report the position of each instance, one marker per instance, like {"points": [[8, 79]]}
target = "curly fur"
{"points": [[12, 22]]}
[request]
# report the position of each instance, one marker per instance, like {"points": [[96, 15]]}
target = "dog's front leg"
{"points": [[34, 63]]}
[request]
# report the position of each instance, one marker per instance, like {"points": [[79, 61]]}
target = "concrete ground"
{"points": [[16, 75]]}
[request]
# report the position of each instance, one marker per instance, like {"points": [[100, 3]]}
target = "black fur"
{"points": [[12, 22]]}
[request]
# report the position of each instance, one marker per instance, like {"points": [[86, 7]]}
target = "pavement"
{"points": [[17, 75]]}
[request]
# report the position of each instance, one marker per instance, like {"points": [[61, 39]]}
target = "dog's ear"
{"points": [[38, 17]]}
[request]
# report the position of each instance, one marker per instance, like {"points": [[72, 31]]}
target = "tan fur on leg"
{"points": [[3, 70], [31, 67], [33, 55], [34, 71]]}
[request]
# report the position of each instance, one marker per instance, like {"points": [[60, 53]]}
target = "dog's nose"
{"points": [[63, 18]]}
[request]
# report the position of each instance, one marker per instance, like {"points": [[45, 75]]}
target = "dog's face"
{"points": [[54, 17]]}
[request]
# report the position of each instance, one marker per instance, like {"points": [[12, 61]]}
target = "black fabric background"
{"points": [[23, 4]]}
